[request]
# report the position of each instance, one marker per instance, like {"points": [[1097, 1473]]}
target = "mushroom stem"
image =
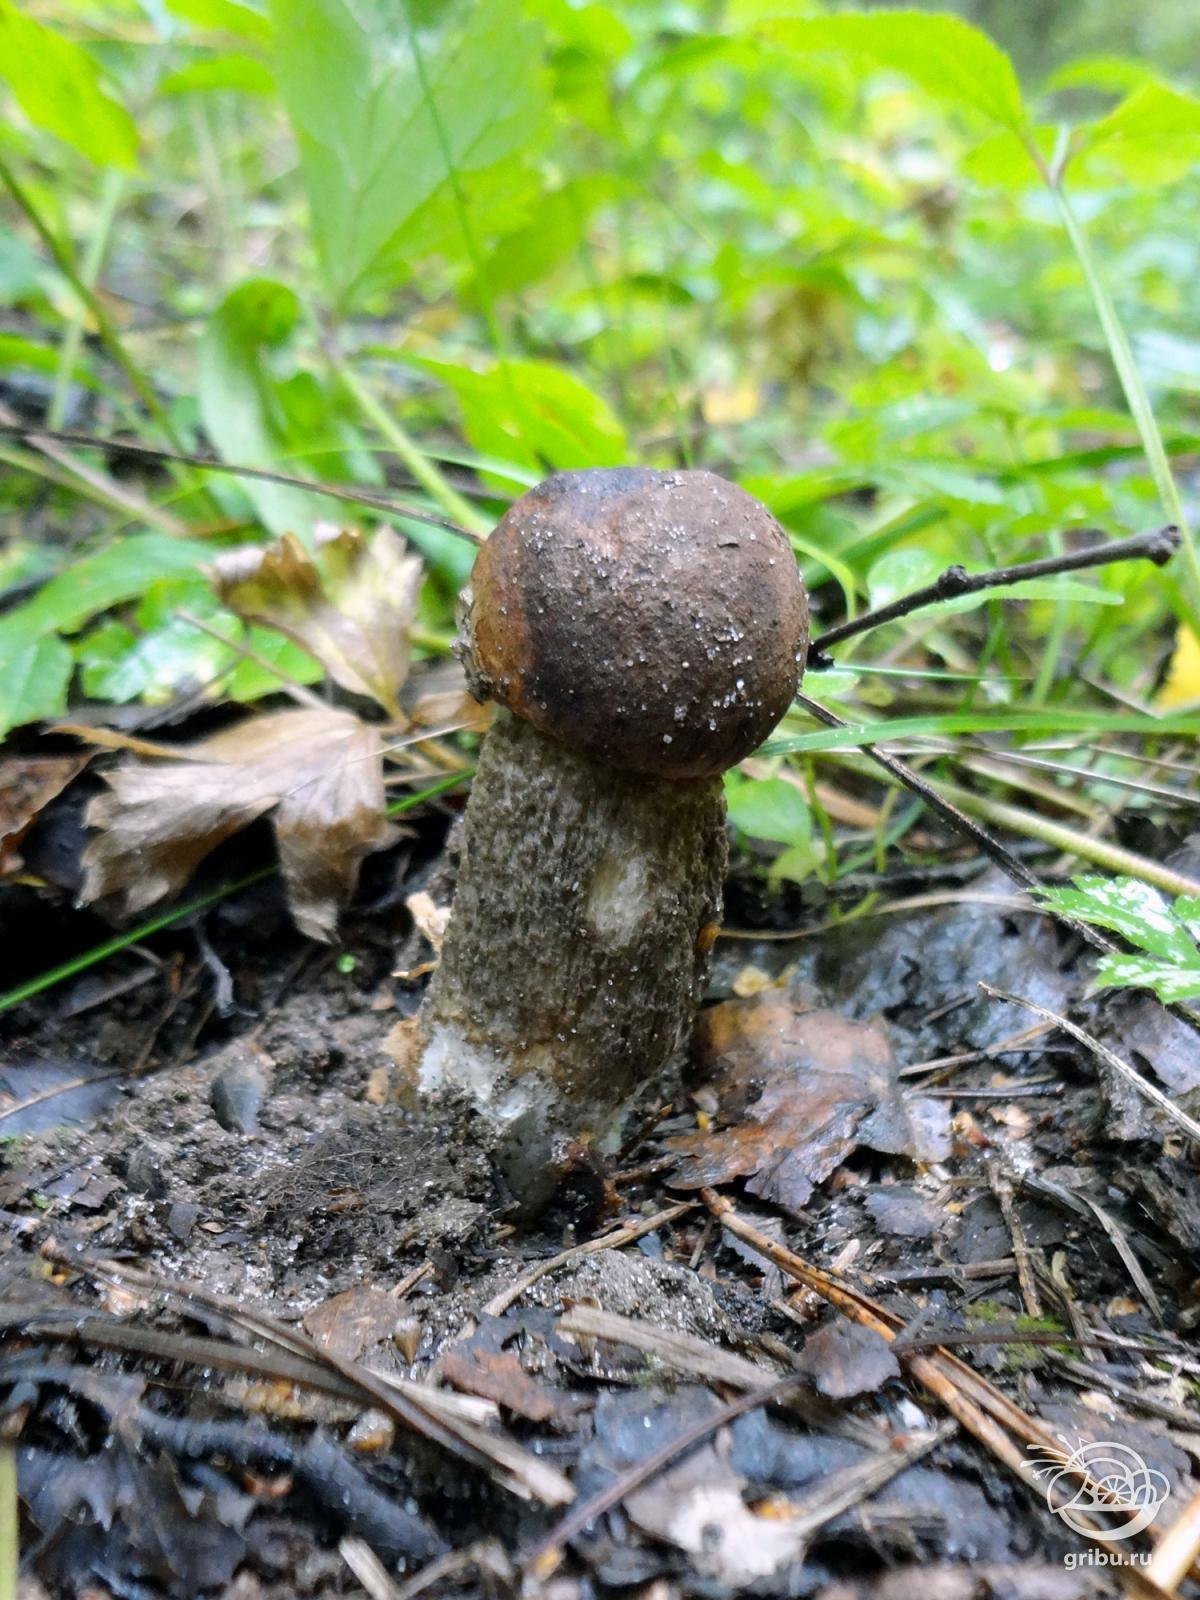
{"points": [[588, 901]]}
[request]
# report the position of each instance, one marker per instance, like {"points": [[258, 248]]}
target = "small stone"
{"points": [[144, 1174], [237, 1092], [373, 1433], [181, 1219]]}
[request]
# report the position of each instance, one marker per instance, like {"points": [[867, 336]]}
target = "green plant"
{"points": [[1165, 934], [928, 313]]}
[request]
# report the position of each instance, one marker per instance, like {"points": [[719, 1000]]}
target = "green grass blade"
{"points": [[1135, 394], [1058, 720]]}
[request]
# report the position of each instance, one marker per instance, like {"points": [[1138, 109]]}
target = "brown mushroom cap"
{"points": [[655, 621]]}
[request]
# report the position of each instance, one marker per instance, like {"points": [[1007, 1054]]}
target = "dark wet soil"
{"points": [[219, 1109]]}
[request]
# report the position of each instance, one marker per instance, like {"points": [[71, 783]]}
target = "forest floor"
{"points": [[269, 1333]]}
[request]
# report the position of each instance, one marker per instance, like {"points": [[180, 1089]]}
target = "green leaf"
{"points": [[534, 414], [242, 73], [1112, 74], [376, 133], [122, 572], [242, 404], [33, 683], [1170, 983], [768, 808], [224, 16], [900, 572], [550, 236], [57, 85], [951, 60], [1003, 161], [252, 680], [1123, 905], [1152, 137]]}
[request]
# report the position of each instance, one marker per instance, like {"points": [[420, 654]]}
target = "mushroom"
{"points": [[640, 632]]}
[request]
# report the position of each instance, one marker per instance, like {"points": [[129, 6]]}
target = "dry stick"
{"points": [[514, 1467], [1122, 1068], [1001, 1187], [1175, 1554], [1081, 1372], [696, 1358], [547, 1553], [1158, 546], [958, 820], [500, 1303], [969, 1398], [1012, 1044], [146, 452], [848, 1488], [115, 495]]}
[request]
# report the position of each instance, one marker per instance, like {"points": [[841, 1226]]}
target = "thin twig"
{"points": [[547, 1553], [145, 452], [1158, 546], [1122, 1068], [958, 820], [405, 1402], [500, 1303], [978, 1405]]}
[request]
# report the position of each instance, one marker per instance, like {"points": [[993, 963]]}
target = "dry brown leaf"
{"points": [[798, 1092], [351, 604], [498, 1375], [27, 783], [354, 1321], [844, 1360], [319, 771]]}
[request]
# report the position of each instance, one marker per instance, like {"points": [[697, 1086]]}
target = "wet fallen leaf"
{"points": [[27, 784], [441, 699], [698, 1507], [350, 603], [698, 1503], [844, 1359], [36, 1095], [318, 770], [351, 1322], [498, 1375], [799, 1090]]}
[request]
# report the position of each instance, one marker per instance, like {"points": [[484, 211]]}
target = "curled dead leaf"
{"points": [[798, 1091], [319, 771], [350, 603], [27, 784]]}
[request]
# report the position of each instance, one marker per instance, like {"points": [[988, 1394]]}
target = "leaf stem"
{"points": [[416, 462], [111, 189], [104, 323], [1135, 392]]}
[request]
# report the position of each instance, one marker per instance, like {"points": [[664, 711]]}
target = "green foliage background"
{"points": [[930, 306]]}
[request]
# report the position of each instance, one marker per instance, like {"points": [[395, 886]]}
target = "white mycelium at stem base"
{"points": [[642, 631]]}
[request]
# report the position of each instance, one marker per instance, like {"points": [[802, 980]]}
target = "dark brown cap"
{"points": [[656, 621]]}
